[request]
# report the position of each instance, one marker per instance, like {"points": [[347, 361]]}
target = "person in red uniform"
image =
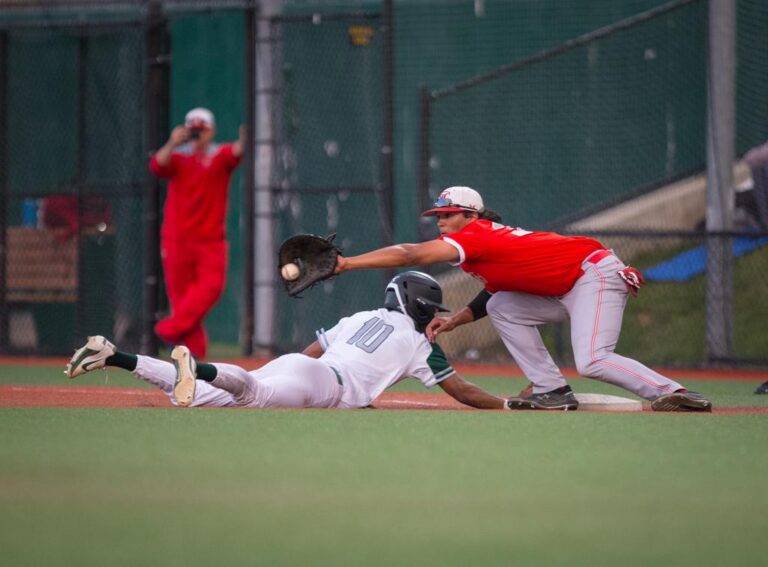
{"points": [[194, 248], [531, 278]]}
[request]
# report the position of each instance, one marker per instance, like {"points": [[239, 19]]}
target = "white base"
{"points": [[604, 402]]}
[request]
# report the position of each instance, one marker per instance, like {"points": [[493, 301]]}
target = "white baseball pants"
{"points": [[290, 381], [595, 306]]}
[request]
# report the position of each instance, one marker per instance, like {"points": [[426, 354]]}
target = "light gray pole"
{"points": [[720, 192], [267, 105]]}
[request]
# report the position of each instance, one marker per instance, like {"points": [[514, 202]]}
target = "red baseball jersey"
{"points": [[196, 205], [513, 259]]}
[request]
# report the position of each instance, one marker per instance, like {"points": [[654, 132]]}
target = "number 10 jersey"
{"points": [[373, 350]]}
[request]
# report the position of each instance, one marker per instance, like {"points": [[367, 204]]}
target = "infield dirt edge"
{"points": [[30, 396]]}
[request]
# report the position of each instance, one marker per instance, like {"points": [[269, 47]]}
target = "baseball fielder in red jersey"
{"points": [[532, 278], [194, 248]]}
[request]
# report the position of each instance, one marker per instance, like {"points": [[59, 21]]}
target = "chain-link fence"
{"points": [[330, 177], [91, 88], [585, 118], [72, 162], [605, 135], [81, 108]]}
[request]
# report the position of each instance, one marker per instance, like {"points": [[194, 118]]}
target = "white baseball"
{"points": [[290, 271]]}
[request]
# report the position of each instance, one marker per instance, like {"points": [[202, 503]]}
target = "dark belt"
{"points": [[598, 255]]}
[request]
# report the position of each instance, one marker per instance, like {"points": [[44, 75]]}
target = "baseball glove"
{"points": [[315, 257], [633, 279]]}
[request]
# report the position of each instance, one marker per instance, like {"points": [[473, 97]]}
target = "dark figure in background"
{"points": [[757, 159]]}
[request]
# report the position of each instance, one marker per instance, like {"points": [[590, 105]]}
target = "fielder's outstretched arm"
{"points": [[469, 394], [400, 255]]}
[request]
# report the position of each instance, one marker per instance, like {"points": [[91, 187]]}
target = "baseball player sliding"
{"points": [[533, 278], [348, 366]]}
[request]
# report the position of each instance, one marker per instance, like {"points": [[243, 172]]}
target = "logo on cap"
{"points": [[456, 199]]}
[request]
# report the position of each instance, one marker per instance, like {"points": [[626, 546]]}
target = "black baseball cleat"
{"points": [[681, 401], [561, 399], [762, 388]]}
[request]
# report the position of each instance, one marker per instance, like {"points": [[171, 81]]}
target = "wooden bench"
{"points": [[40, 267]]}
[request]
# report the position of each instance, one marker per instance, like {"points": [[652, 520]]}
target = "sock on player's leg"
{"points": [[123, 360], [206, 371]]}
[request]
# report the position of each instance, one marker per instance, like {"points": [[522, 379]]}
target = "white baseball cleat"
{"points": [[186, 376], [90, 357]]}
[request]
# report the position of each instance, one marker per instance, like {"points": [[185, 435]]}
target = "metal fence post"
{"points": [[157, 89], [720, 193], [265, 135], [247, 215], [425, 108], [387, 166], [4, 311], [80, 178], [388, 139]]}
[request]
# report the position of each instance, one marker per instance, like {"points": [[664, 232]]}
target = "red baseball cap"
{"points": [[456, 200]]}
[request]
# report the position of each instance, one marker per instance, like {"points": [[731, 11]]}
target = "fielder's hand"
{"points": [[439, 325]]}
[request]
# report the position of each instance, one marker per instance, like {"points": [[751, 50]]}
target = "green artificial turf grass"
{"points": [[314, 487]]}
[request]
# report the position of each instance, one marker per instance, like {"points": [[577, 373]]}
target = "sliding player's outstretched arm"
{"points": [[469, 394]]}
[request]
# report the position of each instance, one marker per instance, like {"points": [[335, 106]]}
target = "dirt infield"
{"points": [[466, 369], [18, 396]]}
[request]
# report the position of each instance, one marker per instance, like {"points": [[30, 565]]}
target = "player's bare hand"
{"points": [[439, 325], [178, 136], [238, 146]]}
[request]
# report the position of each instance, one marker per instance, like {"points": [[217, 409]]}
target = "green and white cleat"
{"points": [[186, 376], [92, 356]]}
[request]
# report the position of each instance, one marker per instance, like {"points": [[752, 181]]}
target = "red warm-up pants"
{"points": [[195, 273]]}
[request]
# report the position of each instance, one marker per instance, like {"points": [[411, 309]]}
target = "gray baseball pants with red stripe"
{"points": [[595, 307]]}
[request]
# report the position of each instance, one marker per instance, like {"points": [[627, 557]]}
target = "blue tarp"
{"points": [[694, 262]]}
